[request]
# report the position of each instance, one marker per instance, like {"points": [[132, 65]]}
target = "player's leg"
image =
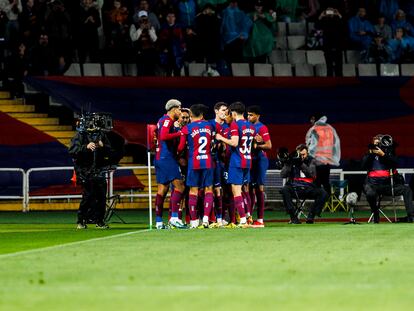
{"points": [[236, 181], [192, 205], [259, 189], [247, 202]]}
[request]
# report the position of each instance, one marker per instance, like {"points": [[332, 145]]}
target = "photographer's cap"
{"points": [[172, 103], [142, 14]]}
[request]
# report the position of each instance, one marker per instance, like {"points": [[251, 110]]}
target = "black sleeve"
{"points": [[367, 160], [286, 170]]}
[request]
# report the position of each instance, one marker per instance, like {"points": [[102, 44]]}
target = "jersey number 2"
{"points": [[202, 143]]}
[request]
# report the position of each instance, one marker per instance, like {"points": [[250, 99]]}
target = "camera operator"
{"points": [[300, 170], [90, 150], [381, 163]]}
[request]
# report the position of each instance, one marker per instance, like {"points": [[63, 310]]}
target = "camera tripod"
{"points": [[110, 208]]}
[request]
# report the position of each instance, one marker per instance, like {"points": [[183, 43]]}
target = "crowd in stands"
{"points": [[43, 37]]}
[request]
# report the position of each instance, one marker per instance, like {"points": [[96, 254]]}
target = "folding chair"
{"points": [[300, 208], [339, 190]]}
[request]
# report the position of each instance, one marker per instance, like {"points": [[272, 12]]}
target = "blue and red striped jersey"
{"points": [[261, 130], [167, 136], [200, 136], [218, 130], [241, 156]]}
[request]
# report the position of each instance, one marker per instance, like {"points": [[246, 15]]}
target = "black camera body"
{"points": [[95, 122], [284, 157], [385, 143]]}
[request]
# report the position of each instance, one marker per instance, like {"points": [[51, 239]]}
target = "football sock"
{"points": [[252, 195], [175, 203], [159, 205], [208, 204], [247, 202], [218, 206], [192, 204], [238, 204], [260, 204]]}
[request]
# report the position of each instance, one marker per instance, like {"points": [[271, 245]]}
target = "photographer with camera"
{"points": [[91, 150], [300, 170], [380, 163]]}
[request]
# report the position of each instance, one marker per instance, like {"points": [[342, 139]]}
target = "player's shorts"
{"points": [[218, 173], [258, 171], [167, 170], [200, 178], [238, 176]]}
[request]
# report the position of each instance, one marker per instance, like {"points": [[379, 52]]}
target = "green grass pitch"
{"points": [[45, 264]]}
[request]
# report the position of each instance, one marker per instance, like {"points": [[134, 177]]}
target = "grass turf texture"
{"points": [[309, 267]]}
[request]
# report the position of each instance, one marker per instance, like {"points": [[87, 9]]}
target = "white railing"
{"points": [[24, 190], [29, 197], [274, 183]]}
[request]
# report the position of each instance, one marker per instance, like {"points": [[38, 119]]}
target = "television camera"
{"points": [[384, 142], [284, 157]]}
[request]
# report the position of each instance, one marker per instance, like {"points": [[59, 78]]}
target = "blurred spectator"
{"points": [[382, 28], [360, 30], [260, 42], [401, 22], [332, 26], [207, 28], [30, 22], [402, 47], [58, 27], [235, 29], [218, 4], [172, 46], [90, 21], [12, 9], [388, 8], [152, 18], [310, 10], [144, 37], [16, 68], [43, 61], [116, 30], [408, 7], [162, 7], [379, 52], [287, 10], [186, 13]]}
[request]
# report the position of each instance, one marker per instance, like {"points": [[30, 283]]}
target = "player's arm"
{"points": [[263, 140], [234, 140], [165, 131], [183, 140]]}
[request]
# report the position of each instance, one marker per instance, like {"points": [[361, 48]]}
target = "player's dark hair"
{"points": [[185, 110], [237, 107], [302, 147], [198, 110], [254, 109], [218, 105]]}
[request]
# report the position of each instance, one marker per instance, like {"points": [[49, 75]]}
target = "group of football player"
{"points": [[215, 168]]}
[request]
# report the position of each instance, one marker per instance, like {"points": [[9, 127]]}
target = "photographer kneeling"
{"points": [[90, 148], [300, 170], [381, 162]]}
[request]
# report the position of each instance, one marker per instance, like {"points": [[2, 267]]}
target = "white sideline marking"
{"points": [[47, 248]]}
